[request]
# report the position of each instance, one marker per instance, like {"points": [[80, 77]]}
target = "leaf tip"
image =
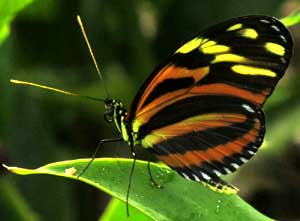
{"points": [[18, 170]]}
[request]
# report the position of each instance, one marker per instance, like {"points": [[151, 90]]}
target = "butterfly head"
{"points": [[111, 106], [114, 112]]}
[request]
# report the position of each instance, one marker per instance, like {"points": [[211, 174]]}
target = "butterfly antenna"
{"points": [[91, 52], [53, 89]]}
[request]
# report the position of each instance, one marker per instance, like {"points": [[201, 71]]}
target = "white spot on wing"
{"points": [[218, 173], [227, 170], [196, 178], [275, 28], [205, 176], [244, 160], [235, 165], [265, 21], [283, 60], [283, 38], [251, 152], [185, 176], [248, 108]]}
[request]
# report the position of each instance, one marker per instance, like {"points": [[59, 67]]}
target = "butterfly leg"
{"points": [[130, 178], [102, 141], [153, 182]]}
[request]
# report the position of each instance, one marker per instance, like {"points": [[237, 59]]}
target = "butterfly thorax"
{"points": [[116, 112]]}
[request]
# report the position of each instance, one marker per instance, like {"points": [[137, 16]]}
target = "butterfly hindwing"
{"points": [[214, 140], [200, 111]]}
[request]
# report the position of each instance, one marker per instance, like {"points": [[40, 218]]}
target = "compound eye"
{"points": [[108, 117]]}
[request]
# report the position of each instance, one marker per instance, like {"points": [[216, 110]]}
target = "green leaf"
{"points": [[8, 10], [292, 19], [115, 211], [179, 199]]}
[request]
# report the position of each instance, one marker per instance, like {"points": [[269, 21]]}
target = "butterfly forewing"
{"points": [[200, 111]]}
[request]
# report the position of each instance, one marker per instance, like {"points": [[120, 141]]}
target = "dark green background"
{"points": [[129, 38]]}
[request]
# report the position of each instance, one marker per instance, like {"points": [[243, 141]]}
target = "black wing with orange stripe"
{"points": [[200, 111]]}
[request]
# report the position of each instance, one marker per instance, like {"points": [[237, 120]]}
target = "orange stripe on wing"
{"points": [[214, 89], [217, 153], [193, 124], [145, 114], [225, 89], [169, 72]]}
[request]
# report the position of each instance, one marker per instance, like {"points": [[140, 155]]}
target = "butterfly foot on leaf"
{"points": [[155, 184], [152, 180]]}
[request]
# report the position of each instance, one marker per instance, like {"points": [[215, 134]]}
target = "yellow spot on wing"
{"points": [[234, 27], [149, 140], [189, 46], [215, 49], [136, 125], [249, 33], [229, 58], [249, 70], [275, 48], [208, 43]]}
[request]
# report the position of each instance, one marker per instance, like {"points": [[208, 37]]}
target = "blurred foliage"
{"points": [[129, 38], [8, 10]]}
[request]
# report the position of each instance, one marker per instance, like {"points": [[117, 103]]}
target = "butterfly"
{"points": [[200, 111]]}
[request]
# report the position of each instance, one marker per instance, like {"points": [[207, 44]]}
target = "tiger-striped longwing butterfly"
{"points": [[200, 110]]}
